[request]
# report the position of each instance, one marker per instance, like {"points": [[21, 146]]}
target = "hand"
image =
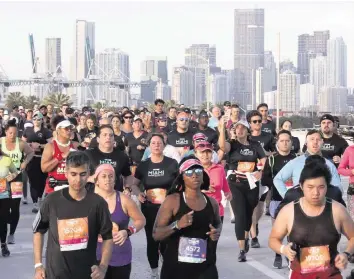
{"points": [[23, 166], [98, 272], [341, 261], [35, 145], [186, 220], [228, 196], [140, 147], [142, 197], [257, 175], [222, 122], [120, 237], [288, 252], [214, 233], [336, 159], [211, 188], [11, 177], [39, 273]]}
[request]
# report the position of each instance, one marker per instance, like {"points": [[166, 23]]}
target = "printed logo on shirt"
{"points": [[40, 135], [181, 141], [61, 167], [156, 173], [267, 130], [108, 161], [73, 234], [261, 143], [327, 147], [246, 152]]}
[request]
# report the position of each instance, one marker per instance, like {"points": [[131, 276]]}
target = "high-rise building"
{"points": [[333, 100], [218, 88], [163, 91], [270, 65], [52, 55], [230, 79], [84, 53], [308, 47], [318, 73], [200, 54], [113, 64], [308, 98], [270, 99], [264, 83], [287, 65], [183, 85], [337, 62], [289, 88], [152, 70], [248, 50]]}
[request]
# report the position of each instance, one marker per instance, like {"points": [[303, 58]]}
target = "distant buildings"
{"points": [[289, 88], [318, 73], [200, 54], [52, 55], [308, 97], [337, 62], [333, 100], [218, 88], [183, 83], [270, 99]]}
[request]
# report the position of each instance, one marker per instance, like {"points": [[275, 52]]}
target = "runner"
{"points": [[55, 153], [122, 209], [268, 126], [214, 120], [242, 161], [189, 220], [8, 172], [314, 225], [203, 121], [272, 166], [127, 122], [287, 125], [73, 256], [37, 137], [156, 175], [21, 154], [234, 116], [171, 119], [91, 131]]}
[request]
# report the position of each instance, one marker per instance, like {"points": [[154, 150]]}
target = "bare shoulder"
{"points": [[287, 210], [338, 208]]}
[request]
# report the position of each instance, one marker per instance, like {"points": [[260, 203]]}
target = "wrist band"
{"points": [[281, 249], [132, 229], [38, 265]]}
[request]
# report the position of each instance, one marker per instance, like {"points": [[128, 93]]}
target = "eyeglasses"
{"points": [[189, 173], [183, 119], [256, 121], [128, 117]]}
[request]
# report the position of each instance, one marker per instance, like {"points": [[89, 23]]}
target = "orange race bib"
{"points": [[73, 234], [245, 166], [133, 169], [314, 259], [156, 196], [3, 185], [115, 230], [16, 190]]}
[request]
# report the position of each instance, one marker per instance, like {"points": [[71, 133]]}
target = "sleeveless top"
{"points": [[316, 231], [16, 155], [200, 226], [121, 255], [58, 172]]}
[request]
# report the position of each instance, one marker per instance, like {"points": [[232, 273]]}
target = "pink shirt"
{"points": [[218, 181], [347, 163]]}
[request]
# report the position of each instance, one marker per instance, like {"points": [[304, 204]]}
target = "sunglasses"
{"points": [[256, 121], [128, 117], [183, 119], [189, 173], [67, 128], [37, 119]]}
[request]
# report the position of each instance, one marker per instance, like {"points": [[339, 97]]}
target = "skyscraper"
{"points": [[308, 47], [84, 52], [52, 55], [198, 54], [248, 50], [183, 85], [337, 62], [318, 74], [289, 88], [218, 88]]}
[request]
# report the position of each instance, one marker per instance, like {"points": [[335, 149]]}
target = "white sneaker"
{"points": [[11, 239], [154, 273]]}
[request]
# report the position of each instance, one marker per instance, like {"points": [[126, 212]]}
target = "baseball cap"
{"points": [[137, 118], [227, 103], [199, 136], [65, 124], [242, 122], [327, 117], [162, 117], [203, 114], [20, 107], [203, 145], [187, 110], [38, 115]]}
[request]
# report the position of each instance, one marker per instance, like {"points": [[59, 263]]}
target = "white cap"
{"points": [[244, 123], [20, 107], [65, 124]]}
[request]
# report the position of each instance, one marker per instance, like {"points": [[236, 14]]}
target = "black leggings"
{"points": [[14, 214], [5, 205], [244, 200], [153, 247], [121, 272], [36, 178]]}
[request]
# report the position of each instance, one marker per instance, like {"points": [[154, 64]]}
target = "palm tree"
{"points": [[97, 105], [15, 98], [57, 99], [169, 103], [30, 101]]}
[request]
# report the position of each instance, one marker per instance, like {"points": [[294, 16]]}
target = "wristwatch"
{"points": [[175, 226], [129, 232]]}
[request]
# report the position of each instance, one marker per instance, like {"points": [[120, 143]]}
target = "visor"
{"points": [[65, 124], [188, 164]]}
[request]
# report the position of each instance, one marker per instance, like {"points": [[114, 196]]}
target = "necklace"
{"points": [[63, 144]]}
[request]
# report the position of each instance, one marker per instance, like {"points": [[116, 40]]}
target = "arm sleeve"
{"points": [[126, 166], [344, 146], [105, 223], [344, 164], [24, 134], [41, 221], [282, 176]]}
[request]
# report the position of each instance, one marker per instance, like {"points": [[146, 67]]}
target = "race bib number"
{"points": [[192, 250], [245, 166], [73, 234], [314, 259], [115, 230], [16, 190], [156, 196], [3, 185]]}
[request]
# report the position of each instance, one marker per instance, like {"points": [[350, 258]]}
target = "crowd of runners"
{"points": [[96, 178]]}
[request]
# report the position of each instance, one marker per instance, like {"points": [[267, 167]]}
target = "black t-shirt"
{"points": [[171, 124], [210, 133], [88, 133], [266, 140], [73, 227], [271, 168], [157, 175], [40, 136], [118, 159], [119, 142], [177, 139], [193, 125], [295, 144], [269, 127], [132, 142]]}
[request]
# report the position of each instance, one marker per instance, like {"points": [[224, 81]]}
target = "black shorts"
{"points": [[263, 197]]}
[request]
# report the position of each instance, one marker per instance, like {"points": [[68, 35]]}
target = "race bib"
{"points": [[245, 166], [3, 185], [192, 250], [314, 259], [16, 190], [133, 170], [73, 234], [115, 230], [156, 196]]}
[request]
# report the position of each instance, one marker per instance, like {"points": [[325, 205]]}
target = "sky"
{"points": [[162, 29]]}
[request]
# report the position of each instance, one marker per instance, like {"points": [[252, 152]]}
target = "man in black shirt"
{"points": [[105, 153], [171, 119], [203, 121], [136, 142], [193, 125], [268, 126], [159, 103], [74, 219]]}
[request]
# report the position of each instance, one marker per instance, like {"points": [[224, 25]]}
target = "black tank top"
{"points": [[308, 231], [201, 220]]}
